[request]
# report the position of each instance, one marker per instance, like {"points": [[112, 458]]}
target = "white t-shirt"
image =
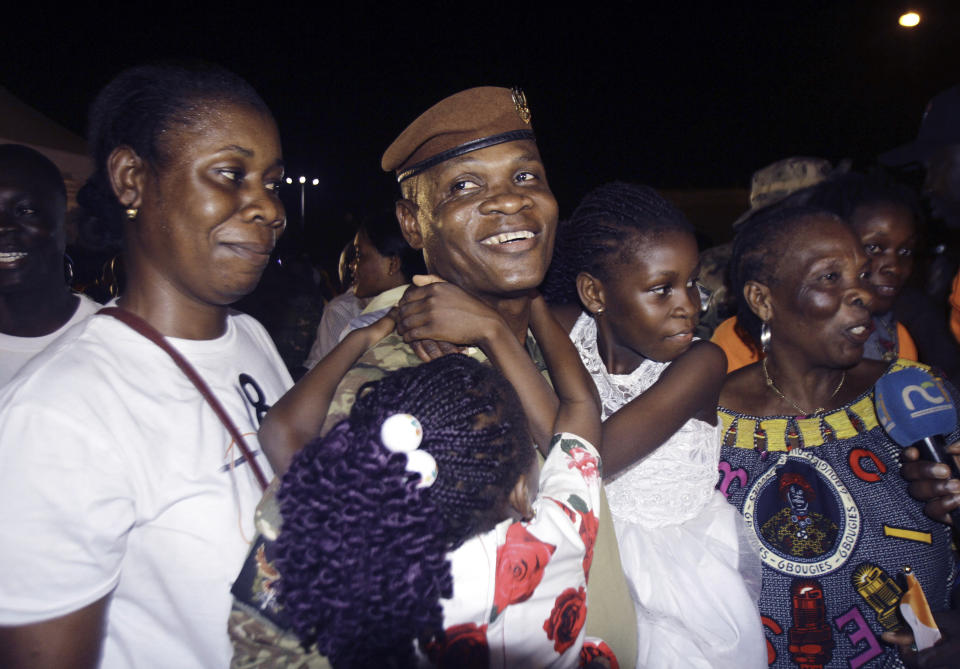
{"points": [[117, 477], [336, 315], [16, 351]]}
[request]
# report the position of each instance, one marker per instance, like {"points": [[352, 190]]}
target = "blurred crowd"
{"points": [[489, 437]]}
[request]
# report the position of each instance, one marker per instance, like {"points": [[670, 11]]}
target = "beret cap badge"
{"points": [[520, 102]]}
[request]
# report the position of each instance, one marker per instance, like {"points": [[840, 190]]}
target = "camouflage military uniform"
{"points": [[256, 620], [713, 277]]}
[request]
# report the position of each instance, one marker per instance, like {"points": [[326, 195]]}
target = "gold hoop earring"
{"points": [[598, 312], [131, 213]]}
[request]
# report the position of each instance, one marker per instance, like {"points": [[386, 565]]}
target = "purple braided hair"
{"points": [[363, 550]]}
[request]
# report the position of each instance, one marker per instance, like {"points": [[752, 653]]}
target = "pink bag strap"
{"points": [[151, 333]]}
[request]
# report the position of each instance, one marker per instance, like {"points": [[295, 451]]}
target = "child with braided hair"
{"points": [[413, 532], [627, 259]]}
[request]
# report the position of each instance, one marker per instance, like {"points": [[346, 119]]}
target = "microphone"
{"points": [[916, 410]]}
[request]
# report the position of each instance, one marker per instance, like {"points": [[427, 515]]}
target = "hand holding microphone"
{"points": [[916, 411]]}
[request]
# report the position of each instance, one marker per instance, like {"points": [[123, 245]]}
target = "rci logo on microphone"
{"points": [[936, 402]]}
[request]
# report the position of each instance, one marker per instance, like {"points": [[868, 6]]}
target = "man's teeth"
{"points": [[10, 256], [507, 237]]}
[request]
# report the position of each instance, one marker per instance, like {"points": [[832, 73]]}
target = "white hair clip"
{"points": [[402, 433], [422, 463]]}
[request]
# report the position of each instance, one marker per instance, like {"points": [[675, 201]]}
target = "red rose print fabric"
{"points": [[520, 589], [588, 464], [595, 654], [520, 564], [589, 524], [567, 618], [464, 647]]}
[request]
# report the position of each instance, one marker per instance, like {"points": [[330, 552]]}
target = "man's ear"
{"points": [[519, 498], [758, 299], [406, 211], [126, 171], [590, 289], [393, 265]]}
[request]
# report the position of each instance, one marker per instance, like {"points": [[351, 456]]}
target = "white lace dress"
{"points": [[693, 574]]}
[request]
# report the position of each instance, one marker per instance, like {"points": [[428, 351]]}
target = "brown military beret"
{"points": [[467, 121]]}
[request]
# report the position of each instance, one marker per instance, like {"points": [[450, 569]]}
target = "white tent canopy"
{"points": [[22, 124]]}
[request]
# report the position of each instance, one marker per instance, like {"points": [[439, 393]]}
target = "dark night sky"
{"points": [[679, 94]]}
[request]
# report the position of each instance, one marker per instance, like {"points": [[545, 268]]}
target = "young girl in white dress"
{"points": [[630, 258]]}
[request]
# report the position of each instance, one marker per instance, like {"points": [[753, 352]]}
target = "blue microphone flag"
{"points": [[912, 405]]}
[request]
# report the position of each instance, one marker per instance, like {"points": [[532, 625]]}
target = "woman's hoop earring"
{"points": [[765, 337], [598, 312], [68, 268], [131, 213]]}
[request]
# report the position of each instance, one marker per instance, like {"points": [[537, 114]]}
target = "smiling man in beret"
{"points": [[477, 202], [475, 199]]}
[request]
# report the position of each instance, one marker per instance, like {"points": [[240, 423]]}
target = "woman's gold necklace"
{"points": [[773, 386]]}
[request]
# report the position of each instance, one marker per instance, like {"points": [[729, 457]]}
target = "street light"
{"points": [[909, 19], [303, 196]]}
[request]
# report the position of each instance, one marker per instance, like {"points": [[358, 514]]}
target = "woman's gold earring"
{"points": [[131, 213], [598, 312]]}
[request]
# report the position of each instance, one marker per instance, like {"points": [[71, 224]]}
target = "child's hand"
{"points": [[427, 279], [380, 328], [428, 349]]}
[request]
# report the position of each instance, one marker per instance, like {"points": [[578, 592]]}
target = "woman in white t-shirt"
{"points": [[128, 504]]}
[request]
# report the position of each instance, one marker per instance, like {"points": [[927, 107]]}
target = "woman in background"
{"points": [[340, 310]]}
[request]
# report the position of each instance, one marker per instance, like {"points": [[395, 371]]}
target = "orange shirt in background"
{"points": [[740, 355]]}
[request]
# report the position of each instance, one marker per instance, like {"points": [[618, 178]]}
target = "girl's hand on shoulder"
{"points": [[706, 352], [702, 369], [703, 362], [380, 328]]}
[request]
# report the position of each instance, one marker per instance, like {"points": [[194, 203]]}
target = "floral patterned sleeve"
{"points": [[520, 590]]}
